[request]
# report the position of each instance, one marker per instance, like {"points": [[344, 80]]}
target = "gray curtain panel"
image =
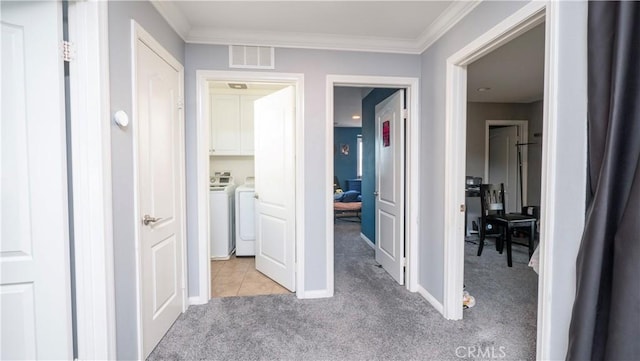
{"points": [[605, 323]]}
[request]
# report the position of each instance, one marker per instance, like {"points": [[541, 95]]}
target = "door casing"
{"points": [[202, 172], [412, 181]]}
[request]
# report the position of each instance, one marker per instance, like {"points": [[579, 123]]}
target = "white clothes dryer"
{"points": [[221, 218], [245, 219]]}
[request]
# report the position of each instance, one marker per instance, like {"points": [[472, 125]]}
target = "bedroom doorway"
{"points": [[344, 238], [506, 82]]}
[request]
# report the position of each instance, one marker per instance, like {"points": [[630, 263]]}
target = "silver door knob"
{"points": [[147, 219], [376, 193], [256, 196]]}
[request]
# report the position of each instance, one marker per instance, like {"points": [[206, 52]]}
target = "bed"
{"points": [[347, 204]]}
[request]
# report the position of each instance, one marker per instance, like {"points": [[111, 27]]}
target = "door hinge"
{"points": [[462, 208], [405, 113], [404, 262], [181, 105], [68, 51]]}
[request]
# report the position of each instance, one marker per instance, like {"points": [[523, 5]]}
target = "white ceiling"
{"points": [[387, 26], [514, 72]]}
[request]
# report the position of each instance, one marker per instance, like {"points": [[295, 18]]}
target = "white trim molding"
{"points": [[521, 21], [221, 36], [432, 300], [202, 169], [367, 241], [450, 17], [91, 168], [174, 17], [412, 179]]}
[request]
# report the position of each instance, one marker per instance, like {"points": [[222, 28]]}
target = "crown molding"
{"points": [[443, 23], [451, 16], [174, 16], [302, 40]]}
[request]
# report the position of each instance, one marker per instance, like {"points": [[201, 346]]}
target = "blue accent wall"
{"points": [[369, 159], [345, 166]]}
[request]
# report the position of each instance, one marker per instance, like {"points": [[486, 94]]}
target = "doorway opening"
{"points": [[235, 132], [249, 228], [498, 282], [356, 176], [499, 76], [337, 148]]}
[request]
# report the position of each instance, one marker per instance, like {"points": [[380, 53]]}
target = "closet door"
{"points": [[35, 292]]}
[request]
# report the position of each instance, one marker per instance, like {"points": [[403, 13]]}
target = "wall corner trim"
{"points": [[432, 300]]}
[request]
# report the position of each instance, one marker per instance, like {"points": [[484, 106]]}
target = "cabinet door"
{"points": [[225, 124], [246, 123]]}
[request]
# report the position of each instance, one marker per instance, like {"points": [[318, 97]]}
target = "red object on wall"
{"points": [[386, 133]]}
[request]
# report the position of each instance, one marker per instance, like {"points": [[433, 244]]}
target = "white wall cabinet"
{"points": [[231, 124]]}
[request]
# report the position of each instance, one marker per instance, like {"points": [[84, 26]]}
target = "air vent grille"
{"points": [[251, 57]]}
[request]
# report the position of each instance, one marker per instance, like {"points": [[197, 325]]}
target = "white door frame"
{"points": [[412, 180], [138, 33], [91, 169], [202, 169], [523, 130], [527, 17]]}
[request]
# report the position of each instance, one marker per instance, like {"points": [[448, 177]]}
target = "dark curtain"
{"points": [[605, 323]]}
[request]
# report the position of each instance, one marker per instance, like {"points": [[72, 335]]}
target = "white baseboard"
{"points": [[197, 300], [367, 240], [316, 294], [432, 300]]}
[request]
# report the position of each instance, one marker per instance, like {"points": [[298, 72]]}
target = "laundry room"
{"points": [[233, 136]]}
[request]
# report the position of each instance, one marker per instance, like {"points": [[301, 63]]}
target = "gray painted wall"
{"points": [[570, 157], [477, 115], [315, 65], [120, 15], [432, 146]]}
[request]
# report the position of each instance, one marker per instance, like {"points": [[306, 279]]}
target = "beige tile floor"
{"points": [[237, 276]]}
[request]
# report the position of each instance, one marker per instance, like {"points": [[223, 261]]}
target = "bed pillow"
{"points": [[350, 196]]}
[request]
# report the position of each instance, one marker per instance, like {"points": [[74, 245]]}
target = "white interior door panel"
{"points": [[389, 207], [275, 186], [35, 291]]}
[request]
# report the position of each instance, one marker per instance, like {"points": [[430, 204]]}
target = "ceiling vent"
{"points": [[251, 57]]}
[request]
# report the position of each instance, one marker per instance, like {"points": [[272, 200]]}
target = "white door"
{"points": [[275, 186], [35, 293], [390, 185], [159, 183], [503, 163]]}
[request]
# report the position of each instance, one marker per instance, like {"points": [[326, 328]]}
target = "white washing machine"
{"points": [[245, 219], [221, 216]]}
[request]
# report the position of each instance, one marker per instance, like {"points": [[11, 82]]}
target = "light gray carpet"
{"points": [[370, 317]]}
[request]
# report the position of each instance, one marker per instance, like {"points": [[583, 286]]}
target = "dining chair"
{"points": [[494, 218]]}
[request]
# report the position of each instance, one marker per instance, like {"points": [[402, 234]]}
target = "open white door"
{"points": [[274, 124], [390, 185], [35, 292], [503, 163], [161, 219]]}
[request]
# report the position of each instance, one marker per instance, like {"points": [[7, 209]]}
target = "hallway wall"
{"points": [[567, 173], [120, 79], [315, 65]]}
